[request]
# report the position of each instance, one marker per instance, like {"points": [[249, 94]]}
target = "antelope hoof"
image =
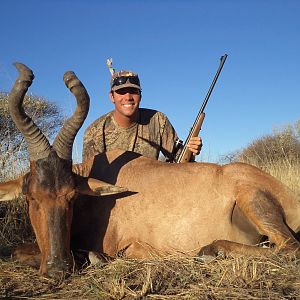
{"points": [[211, 250]]}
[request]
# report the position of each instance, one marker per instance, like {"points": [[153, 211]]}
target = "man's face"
{"points": [[126, 100]]}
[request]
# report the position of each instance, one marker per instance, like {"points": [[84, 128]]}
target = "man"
{"points": [[129, 127]]}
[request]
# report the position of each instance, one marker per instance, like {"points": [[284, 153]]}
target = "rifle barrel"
{"points": [[200, 117], [222, 61]]}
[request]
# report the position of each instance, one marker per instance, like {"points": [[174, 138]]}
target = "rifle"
{"points": [[185, 154]]}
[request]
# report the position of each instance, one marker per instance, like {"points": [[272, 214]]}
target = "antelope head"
{"points": [[50, 187]]}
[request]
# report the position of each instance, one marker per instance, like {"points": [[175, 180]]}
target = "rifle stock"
{"points": [[185, 154]]}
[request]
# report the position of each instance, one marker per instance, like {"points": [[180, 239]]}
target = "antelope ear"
{"points": [[10, 190], [94, 187]]}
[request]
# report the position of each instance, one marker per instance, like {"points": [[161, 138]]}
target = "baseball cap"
{"points": [[123, 79]]}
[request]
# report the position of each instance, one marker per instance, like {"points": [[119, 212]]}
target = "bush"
{"points": [[14, 157], [282, 145]]}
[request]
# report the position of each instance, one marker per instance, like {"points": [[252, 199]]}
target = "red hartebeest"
{"points": [[167, 208], [51, 187]]}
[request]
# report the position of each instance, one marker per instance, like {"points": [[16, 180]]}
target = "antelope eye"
{"points": [[32, 201], [29, 198]]}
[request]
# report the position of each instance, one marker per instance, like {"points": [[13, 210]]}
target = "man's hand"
{"points": [[195, 145]]}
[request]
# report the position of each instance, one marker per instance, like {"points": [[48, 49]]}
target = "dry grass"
{"points": [[164, 278], [15, 227], [287, 173]]}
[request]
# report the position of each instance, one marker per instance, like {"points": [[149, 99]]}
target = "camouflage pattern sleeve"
{"points": [[168, 136], [93, 139], [88, 147]]}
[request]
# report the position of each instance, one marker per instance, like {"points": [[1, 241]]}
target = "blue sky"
{"points": [[175, 46]]}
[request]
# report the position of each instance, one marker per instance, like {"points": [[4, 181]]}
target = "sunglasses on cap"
{"points": [[123, 79]]}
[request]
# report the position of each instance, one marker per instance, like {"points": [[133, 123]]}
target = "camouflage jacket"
{"points": [[151, 135]]}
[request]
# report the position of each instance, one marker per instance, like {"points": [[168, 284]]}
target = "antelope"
{"points": [[121, 202], [50, 187]]}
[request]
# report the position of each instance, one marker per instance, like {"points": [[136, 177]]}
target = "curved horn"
{"points": [[38, 145], [63, 142]]}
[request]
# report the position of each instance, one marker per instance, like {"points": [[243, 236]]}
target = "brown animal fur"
{"points": [[183, 207]]}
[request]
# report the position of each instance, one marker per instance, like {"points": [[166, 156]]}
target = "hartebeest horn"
{"points": [[38, 145], [63, 142]]}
